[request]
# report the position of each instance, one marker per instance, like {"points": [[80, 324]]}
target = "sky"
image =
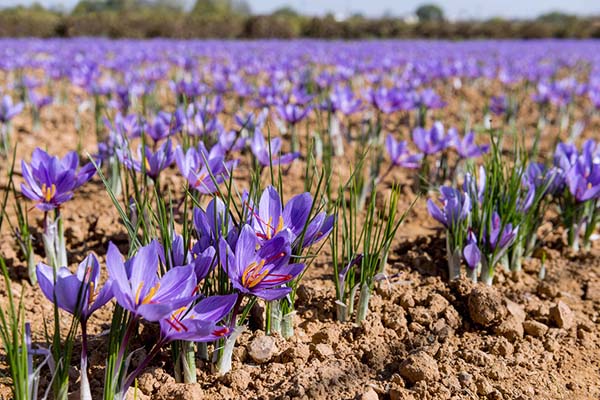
{"points": [[454, 9]]}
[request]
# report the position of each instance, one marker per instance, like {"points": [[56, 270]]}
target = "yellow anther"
{"points": [[148, 298], [48, 192], [279, 224], [252, 275]]}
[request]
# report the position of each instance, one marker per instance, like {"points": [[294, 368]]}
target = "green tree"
{"points": [[430, 12], [221, 7]]}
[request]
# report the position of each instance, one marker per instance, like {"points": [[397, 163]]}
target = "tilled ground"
{"points": [[424, 337]]}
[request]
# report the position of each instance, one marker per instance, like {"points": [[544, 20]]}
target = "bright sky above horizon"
{"points": [[461, 9]]}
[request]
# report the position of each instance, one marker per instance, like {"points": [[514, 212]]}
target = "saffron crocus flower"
{"points": [[78, 294], [197, 166], [456, 207], [400, 155], [138, 288], [50, 181], [498, 104], [434, 140], [293, 113], [270, 154], [501, 237], [467, 148], [471, 252], [271, 217], [200, 323], [583, 180], [8, 110], [212, 224], [154, 162], [257, 270]]}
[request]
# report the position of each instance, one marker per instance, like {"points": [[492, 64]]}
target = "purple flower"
{"points": [[212, 224], [155, 162], [264, 156], [342, 99], [429, 99], [8, 110], [583, 180], [400, 155], [456, 207], [200, 323], [498, 104], [434, 140], [38, 101], [138, 288], [293, 113], [471, 252], [258, 270], [501, 237], [270, 218], [467, 148], [197, 166], [51, 181], [78, 294]]}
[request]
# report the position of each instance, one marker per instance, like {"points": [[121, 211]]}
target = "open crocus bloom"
{"points": [[78, 294], [259, 270], [200, 323], [50, 181], [138, 288]]}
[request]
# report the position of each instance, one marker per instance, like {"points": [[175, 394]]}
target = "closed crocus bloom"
{"points": [[501, 237], [50, 181], [583, 180], [293, 113], [203, 171], [466, 146], [400, 155], [258, 270], [200, 323], [8, 110], [270, 153], [456, 207], [471, 252], [79, 294], [138, 288], [154, 162], [434, 140]]}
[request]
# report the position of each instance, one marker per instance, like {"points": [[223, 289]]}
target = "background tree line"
{"points": [[234, 19]]}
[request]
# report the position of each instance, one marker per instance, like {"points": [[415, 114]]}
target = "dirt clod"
{"points": [[485, 306], [535, 328], [419, 366], [562, 315]]}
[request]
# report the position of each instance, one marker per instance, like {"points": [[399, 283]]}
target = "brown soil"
{"points": [[424, 337]]}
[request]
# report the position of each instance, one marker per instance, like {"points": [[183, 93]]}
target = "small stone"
{"points": [[465, 379], [262, 349], [562, 315], [324, 351], [370, 394], [486, 306], [510, 328], [535, 328], [419, 366]]}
